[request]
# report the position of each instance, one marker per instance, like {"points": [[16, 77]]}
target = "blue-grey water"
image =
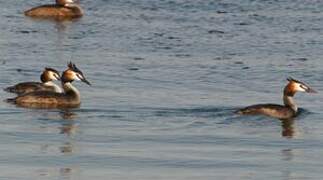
{"points": [[167, 76]]}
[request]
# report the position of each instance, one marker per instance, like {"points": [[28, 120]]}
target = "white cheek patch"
{"points": [[301, 88], [51, 75], [78, 77], [69, 1], [56, 76]]}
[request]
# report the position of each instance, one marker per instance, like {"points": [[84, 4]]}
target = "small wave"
{"points": [[193, 112]]}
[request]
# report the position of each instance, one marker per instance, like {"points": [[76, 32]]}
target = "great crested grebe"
{"points": [[70, 98], [286, 111], [62, 9], [46, 84]]}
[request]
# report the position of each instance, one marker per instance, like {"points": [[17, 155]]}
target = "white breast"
{"points": [[55, 86]]}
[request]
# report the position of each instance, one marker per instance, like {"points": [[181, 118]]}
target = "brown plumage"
{"points": [[42, 99], [48, 75], [63, 9], [286, 111]]}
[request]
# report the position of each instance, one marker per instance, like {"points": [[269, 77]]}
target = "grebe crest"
{"points": [[42, 99], [62, 9], [47, 77], [288, 110]]}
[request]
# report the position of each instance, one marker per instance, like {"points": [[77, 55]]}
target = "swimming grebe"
{"points": [[44, 99], [46, 84], [286, 111], [62, 9]]}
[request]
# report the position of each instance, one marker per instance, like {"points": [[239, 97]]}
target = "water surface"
{"points": [[167, 76]]}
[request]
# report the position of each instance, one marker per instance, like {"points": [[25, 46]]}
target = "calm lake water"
{"points": [[167, 76]]}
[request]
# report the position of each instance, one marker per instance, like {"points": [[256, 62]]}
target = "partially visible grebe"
{"points": [[44, 99], [286, 111], [46, 84], [62, 9]]}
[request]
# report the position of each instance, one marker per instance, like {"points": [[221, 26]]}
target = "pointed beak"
{"points": [[86, 81], [310, 90]]}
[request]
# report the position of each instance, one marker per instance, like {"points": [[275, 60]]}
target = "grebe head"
{"points": [[49, 74], [63, 2], [73, 73], [297, 86]]}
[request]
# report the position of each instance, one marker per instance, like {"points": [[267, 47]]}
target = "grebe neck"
{"points": [[288, 99], [70, 90], [289, 102], [74, 7], [55, 86]]}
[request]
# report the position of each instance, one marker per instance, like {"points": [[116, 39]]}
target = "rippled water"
{"points": [[167, 76]]}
